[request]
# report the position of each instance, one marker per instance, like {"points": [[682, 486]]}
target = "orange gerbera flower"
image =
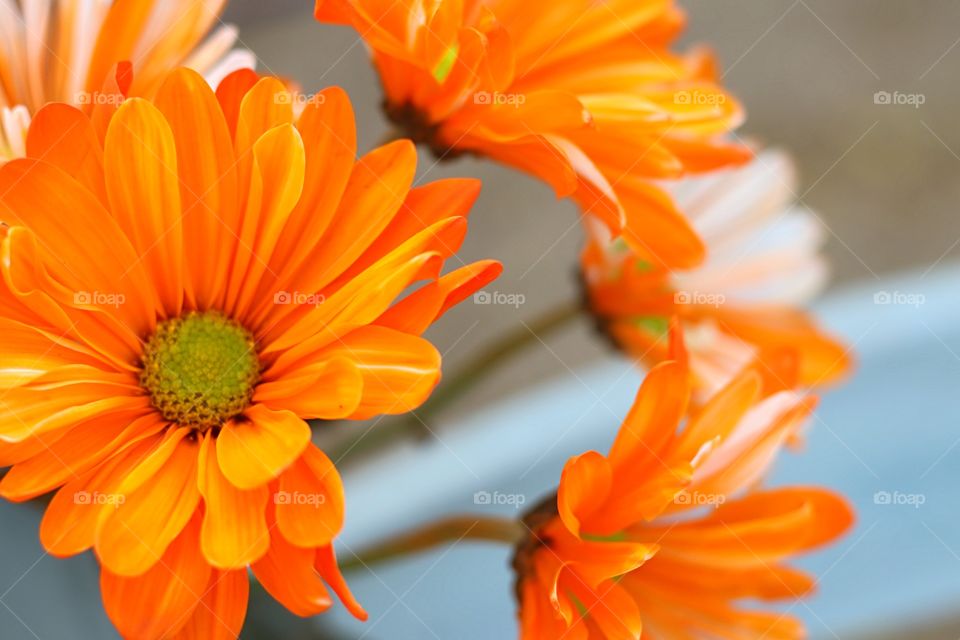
{"points": [[64, 51], [176, 301], [745, 301], [657, 539], [582, 94]]}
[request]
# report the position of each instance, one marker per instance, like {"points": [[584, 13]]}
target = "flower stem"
{"points": [[449, 530], [477, 369]]}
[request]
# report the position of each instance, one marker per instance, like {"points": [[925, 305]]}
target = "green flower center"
{"points": [[200, 369]]}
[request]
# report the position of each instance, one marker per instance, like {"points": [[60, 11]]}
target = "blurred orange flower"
{"points": [[65, 52], [745, 302], [176, 301], [582, 94], [661, 537]]}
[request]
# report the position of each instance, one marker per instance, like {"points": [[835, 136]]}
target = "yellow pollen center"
{"points": [[200, 369]]}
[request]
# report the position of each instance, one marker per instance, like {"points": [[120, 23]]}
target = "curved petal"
{"points": [[222, 608], [71, 521], [93, 259], [208, 182], [325, 390], [326, 566], [310, 500], [584, 485], [399, 370], [287, 573], [159, 602], [140, 168], [234, 532], [158, 498], [257, 447]]}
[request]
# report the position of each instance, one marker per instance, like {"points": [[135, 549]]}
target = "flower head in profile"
{"points": [[585, 95], [176, 301], [664, 536], [745, 302], [67, 51]]}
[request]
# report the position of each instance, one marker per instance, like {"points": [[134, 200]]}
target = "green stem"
{"points": [[450, 530], [477, 369]]}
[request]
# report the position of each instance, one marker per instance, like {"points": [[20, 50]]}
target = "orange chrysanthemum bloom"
{"points": [[661, 538], [65, 51], [745, 301], [176, 301], [585, 95]]}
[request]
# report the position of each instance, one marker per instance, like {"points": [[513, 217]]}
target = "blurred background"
{"points": [[882, 177]]}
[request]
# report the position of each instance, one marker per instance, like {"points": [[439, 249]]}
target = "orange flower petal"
{"points": [[584, 485], [158, 499], [71, 521], [399, 370], [234, 532], [208, 182], [101, 259], [287, 573], [63, 136], [140, 169], [159, 602], [222, 609], [73, 454], [310, 501], [326, 566], [297, 390], [415, 313], [259, 446]]}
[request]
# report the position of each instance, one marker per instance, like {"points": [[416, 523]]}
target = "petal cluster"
{"points": [[745, 302], [663, 536], [219, 203], [584, 95]]}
